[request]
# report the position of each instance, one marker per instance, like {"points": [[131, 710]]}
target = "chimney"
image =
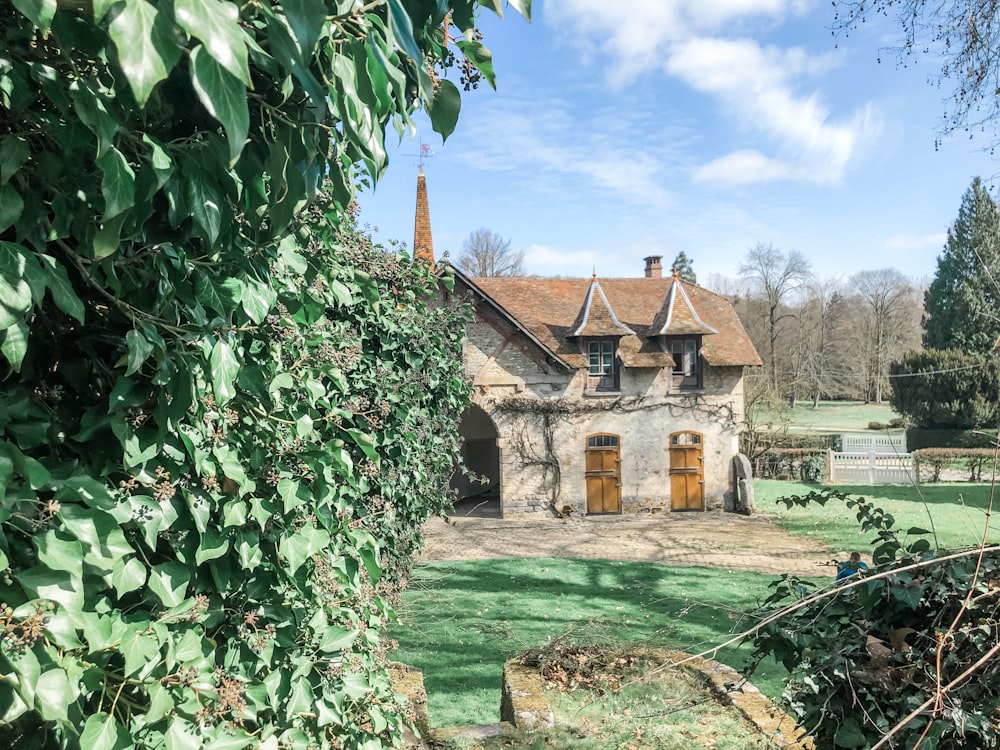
{"points": [[423, 243], [653, 268]]}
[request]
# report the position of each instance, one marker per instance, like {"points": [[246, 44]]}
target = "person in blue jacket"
{"points": [[852, 567]]}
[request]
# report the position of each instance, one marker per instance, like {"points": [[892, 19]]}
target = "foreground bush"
{"points": [[223, 413], [910, 647]]}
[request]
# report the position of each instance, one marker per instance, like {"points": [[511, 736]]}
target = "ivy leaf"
{"points": [[13, 154], [302, 545], [224, 369], [224, 97], [849, 734], [402, 30], [307, 18], [103, 732], [169, 581], [257, 299], [523, 7], [445, 108], [39, 12], [128, 574], [62, 290], [182, 735], [54, 695], [139, 350], [15, 293], [15, 344], [117, 183], [146, 51], [217, 25], [11, 206], [93, 113]]}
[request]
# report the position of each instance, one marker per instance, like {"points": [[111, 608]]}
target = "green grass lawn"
{"points": [[828, 416], [461, 620], [957, 512]]}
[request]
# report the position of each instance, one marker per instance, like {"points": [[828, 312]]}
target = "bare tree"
{"points": [[890, 325], [777, 276], [822, 333], [486, 253]]}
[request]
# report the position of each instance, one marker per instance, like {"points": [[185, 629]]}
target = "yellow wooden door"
{"points": [[687, 474], [603, 474]]}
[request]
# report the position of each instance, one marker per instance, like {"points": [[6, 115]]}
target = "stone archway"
{"points": [[481, 454]]}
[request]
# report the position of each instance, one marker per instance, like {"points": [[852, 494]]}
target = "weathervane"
{"points": [[425, 153]]}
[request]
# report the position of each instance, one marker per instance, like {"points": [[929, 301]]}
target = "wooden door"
{"points": [[604, 477], [687, 472]]}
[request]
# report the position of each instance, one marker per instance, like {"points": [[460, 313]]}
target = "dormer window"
{"points": [[687, 369], [602, 365]]}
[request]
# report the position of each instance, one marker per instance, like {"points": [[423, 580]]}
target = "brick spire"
{"points": [[423, 243]]}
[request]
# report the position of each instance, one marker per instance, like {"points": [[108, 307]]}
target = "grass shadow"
{"points": [[461, 620]]}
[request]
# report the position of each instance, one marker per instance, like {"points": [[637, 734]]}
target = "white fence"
{"points": [[872, 468], [882, 443]]}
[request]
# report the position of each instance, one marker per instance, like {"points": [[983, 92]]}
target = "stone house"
{"points": [[597, 395], [602, 395]]}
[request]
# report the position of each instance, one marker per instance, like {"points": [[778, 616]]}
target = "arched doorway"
{"points": [[603, 474], [687, 471], [478, 494]]}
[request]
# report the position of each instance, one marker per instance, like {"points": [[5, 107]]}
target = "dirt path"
{"points": [[719, 540]]}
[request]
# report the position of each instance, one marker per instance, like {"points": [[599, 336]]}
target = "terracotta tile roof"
{"points": [[596, 318], [548, 309], [677, 316]]}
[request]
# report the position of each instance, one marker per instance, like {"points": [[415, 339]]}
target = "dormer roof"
{"points": [[677, 315], [596, 317]]}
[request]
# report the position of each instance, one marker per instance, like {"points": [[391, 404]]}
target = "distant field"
{"points": [[828, 415]]}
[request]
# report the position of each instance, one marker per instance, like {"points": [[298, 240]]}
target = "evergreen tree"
{"points": [[685, 268], [960, 305]]}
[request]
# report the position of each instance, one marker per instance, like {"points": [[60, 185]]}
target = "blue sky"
{"points": [[703, 126]]}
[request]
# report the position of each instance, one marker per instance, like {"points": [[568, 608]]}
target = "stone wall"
{"points": [[544, 416]]}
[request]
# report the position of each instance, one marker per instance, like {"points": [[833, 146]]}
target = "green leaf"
{"points": [[307, 19], [402, 30], [224, 369], [257, 299], [54, 695], [15, 293], [139, 350], [213, 545], [214, 297], [302, 545], [11, 206], [146, 50], [15, 344], [14, 153], [128, 574], [182, 735], [59, 285], [139, 646], [216, 24], [117, 183], [337, 639], [479, 55], [523, 7], [224, 97], [445, 108], [93, 113], [849, 734], [60, 554], [103, 732], [169, 581], [39, 12], [107, 238]]}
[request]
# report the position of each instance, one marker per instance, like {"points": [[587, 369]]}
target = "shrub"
{"points": [[947, 389], [887, 640], [223, 415], [876, 426]]}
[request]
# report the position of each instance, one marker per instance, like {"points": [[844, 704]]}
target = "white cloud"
{"points": [[760, 86], [913, 241], [544, 260], [742, 168]]}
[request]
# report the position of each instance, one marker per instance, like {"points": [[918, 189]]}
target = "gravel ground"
{"points": [[718, 540]]}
